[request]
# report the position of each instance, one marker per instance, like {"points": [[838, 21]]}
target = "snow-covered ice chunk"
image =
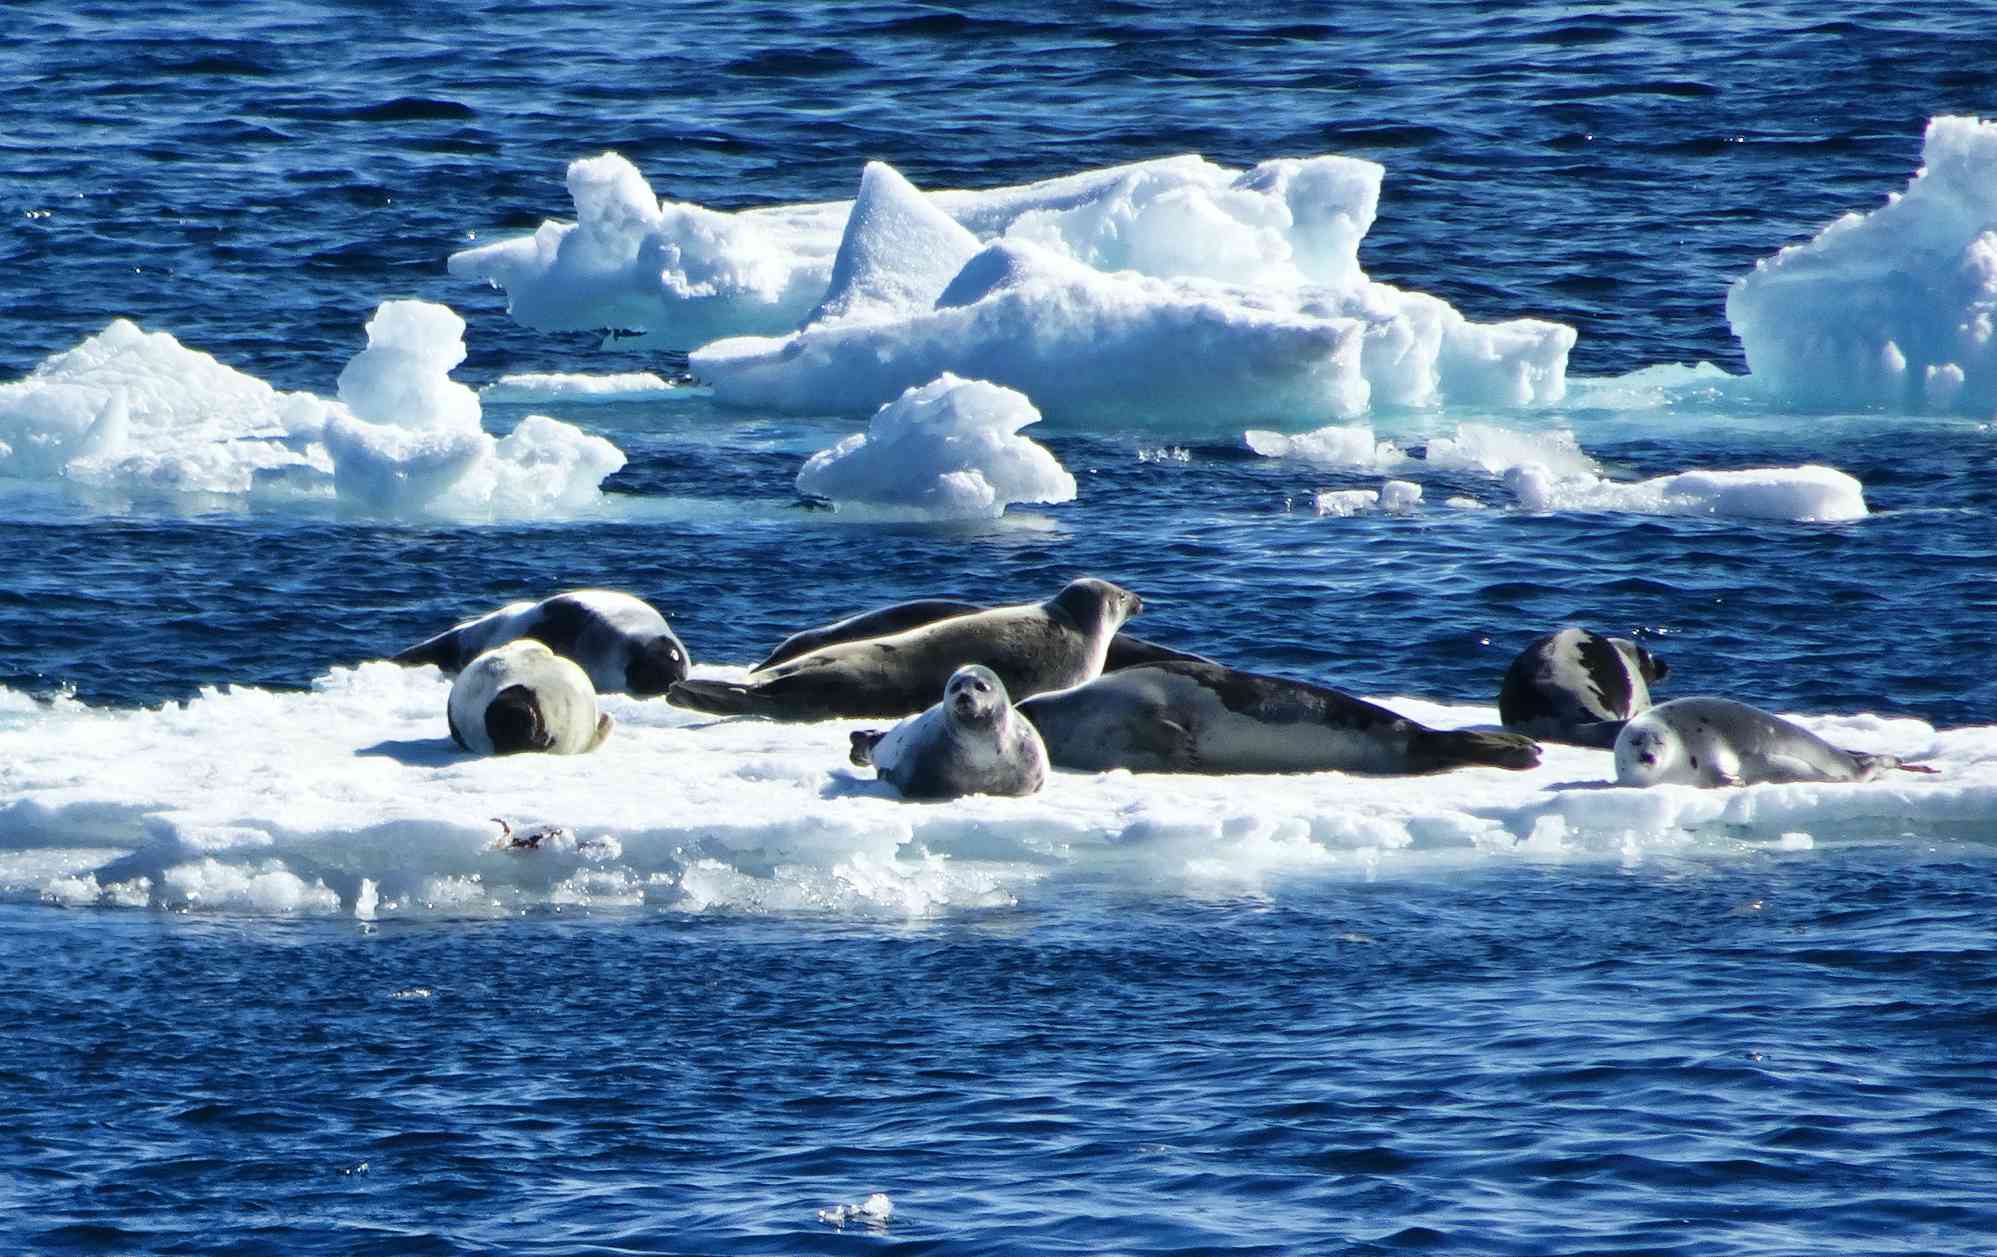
{"points": [[1341, 445], [410, 439], [1082, 344], [130, 409], [949, 448], [1895, 309], [1807, 494]]}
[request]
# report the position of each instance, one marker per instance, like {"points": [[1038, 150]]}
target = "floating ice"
{"points": [[530, 388], [1394, 497], [1096, 294], [1808, 494], [1492, 449], [950, 448], [410, 438], [1347, 445], [351, 799], [1895, 309], [875, 1211], [132, 411]]}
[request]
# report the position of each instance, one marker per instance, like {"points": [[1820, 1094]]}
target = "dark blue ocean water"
{"points": [[1769, 1052]]}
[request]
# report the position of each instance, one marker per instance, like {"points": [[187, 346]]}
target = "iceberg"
{"points": [[1171, 293], [1892, 310]]}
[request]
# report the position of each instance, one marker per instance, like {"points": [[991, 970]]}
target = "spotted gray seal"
{"points": [[1702, 741], [971, 742], [1125, 651], [1188, 717], [624, 644], [1577, 686], [1032, 647], [522, 696]]}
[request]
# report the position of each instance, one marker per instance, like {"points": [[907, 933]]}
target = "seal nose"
{"points": [[1647, 759]]}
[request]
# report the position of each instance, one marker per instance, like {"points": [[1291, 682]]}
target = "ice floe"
{"points": [[136, 411], [948, 449], [351, 799]]}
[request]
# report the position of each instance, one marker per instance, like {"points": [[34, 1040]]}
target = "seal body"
{"points": [[522, 696], [1576, 686], [1186, 717], [622, 642], [1718, 742], [1124, 650], [1032, 648], [971, 742]]}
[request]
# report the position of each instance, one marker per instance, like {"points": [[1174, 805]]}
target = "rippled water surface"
{"points": [[1753, 1049]]}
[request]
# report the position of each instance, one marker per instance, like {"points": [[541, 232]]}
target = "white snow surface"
{"points": [[1895, 309], [350, 799], [1156, 291], [135, 411], [949, 449]]}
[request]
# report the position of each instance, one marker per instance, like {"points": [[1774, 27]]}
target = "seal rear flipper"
{"points": [[864, 742], [603, 725], [1437, 750]]}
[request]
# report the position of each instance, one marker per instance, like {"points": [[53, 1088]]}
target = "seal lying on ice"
{"points": [[624, 644], [1205, 718], [524, 697], [1032, 648], [1579, 687], [972, 742], [1719, 742]]}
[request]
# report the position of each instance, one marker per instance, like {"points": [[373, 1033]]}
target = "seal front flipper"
{"points": [[863, 743]]}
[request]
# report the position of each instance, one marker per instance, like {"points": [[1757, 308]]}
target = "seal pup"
{"points": [[1033, 647], [1125, 651], [1182, 717], [1719, 742], [1579, 687], [624, 644], [524, 697], [971, 742]]}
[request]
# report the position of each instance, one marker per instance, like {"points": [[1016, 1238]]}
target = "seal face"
{"points": [[1196, 717], [1125, 651], [970, 742], [621, 641], [522, 697], [1032, 648], [1577, 686], [1704, 741]]}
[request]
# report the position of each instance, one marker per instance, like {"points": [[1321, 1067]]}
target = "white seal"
{"points": [[524, 697], [972, 742], [1719, 742]]}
